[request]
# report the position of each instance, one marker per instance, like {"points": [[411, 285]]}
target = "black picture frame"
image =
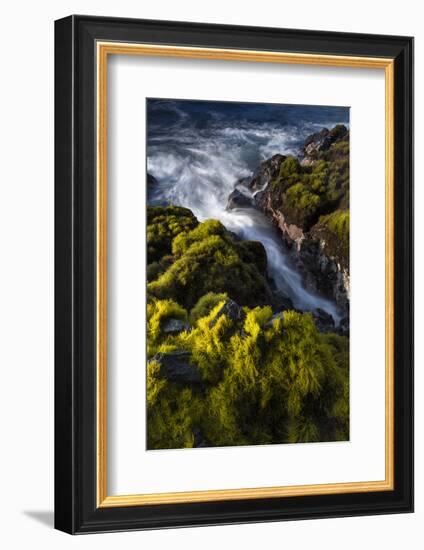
{"points": [[76, 508]]}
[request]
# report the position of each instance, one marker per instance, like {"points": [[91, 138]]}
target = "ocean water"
{"points": [[197, 150]]}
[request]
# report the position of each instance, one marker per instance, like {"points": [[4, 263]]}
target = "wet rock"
{"points": [[344, 327], [176, 367], [323, 320], [281, 302], [267, 170], [244, 182], [174, 326], [317, 252], [322, 273], [237, 199]]}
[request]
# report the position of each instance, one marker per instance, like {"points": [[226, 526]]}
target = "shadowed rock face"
{"points": [[237, 199], [322, 141], [187, 259], [267, 170], [323, 321], [176, 367], [309, 203], [174, 326], [281, 302]]}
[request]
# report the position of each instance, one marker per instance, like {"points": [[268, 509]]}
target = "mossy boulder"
{"points": [[302, 193], [305, 188], [207, 259], [317, 143], [176, 366], [163, 224]]}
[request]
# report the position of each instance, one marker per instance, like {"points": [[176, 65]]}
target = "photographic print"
{"points": [[247, 273], [205, 325]]}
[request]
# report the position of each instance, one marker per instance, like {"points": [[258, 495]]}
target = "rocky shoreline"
{"points": [[307, 199], [248, 280]]}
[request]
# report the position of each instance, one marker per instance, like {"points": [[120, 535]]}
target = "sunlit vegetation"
{"points": [[265, 380], [254, 377], [227, 363], [317, 192], [310, 190], [204, 259], [163, 224]]}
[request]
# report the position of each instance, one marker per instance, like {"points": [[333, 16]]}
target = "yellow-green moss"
{"points": [[305, 192], [208, 259], [267, 380], [333, 230], [163, 224]]}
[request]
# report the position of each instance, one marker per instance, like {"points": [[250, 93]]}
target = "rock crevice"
{"points": [[307, 198]]}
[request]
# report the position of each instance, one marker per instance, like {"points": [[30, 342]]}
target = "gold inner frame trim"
{"points": [[104, 49]]}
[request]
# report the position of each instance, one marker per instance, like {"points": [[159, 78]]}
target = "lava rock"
{"points": [[267, 171], [322, 141], [314, 248], [174, 326], [344, 327], [176, 367], [281, 302], [237, 199], [323, 320]]}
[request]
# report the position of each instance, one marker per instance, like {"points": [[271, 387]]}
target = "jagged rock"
{"points": [[281, 302], [176, 367], [322, 141], [174, 326], [231, 310], [267, 170], [344, 327], [323, 320], [244, 182], [237, 199], [331, 245], [314, 246], [322, 273]]}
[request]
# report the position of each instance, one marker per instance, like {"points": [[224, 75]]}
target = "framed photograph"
{"points": [[234, 274]]}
